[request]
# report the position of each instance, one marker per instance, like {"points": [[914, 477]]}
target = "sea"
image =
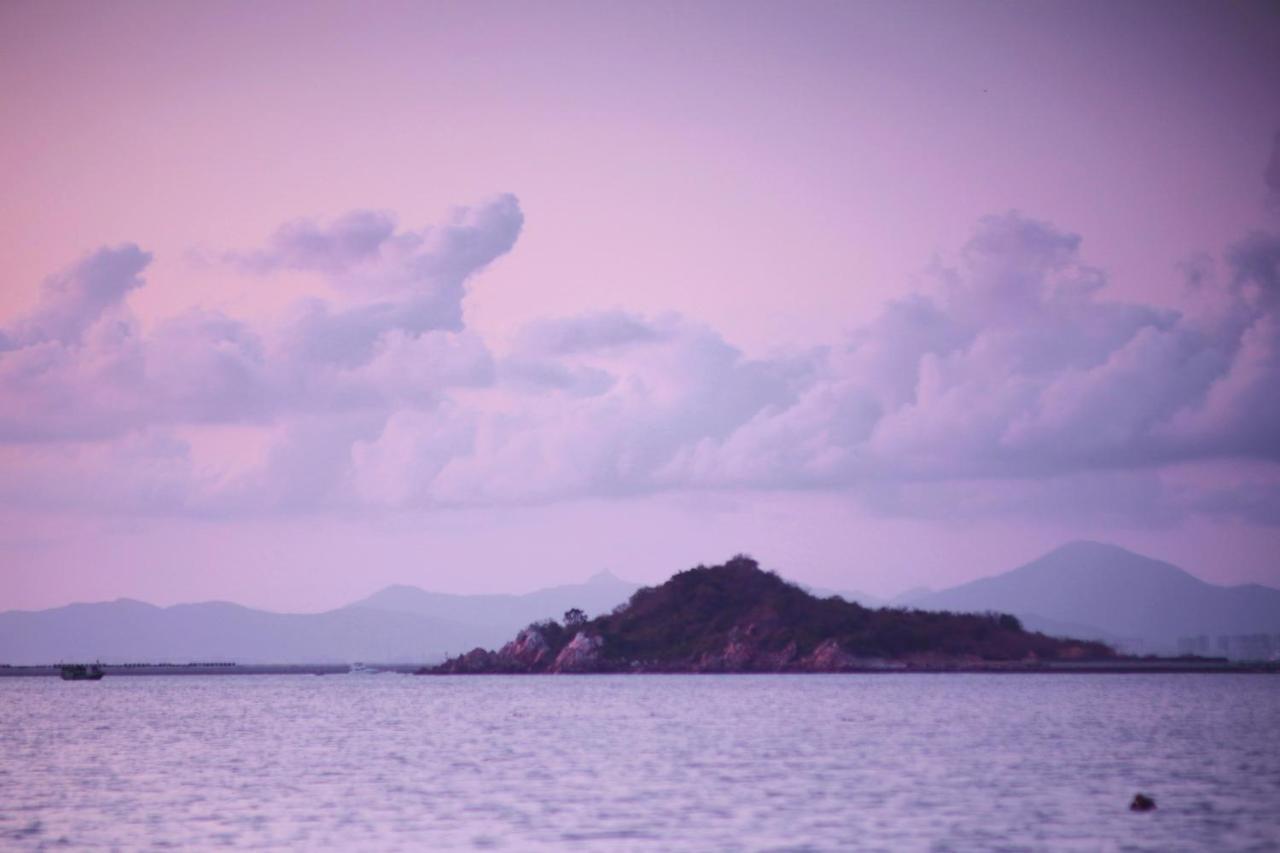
{"points": [[648, 762]]}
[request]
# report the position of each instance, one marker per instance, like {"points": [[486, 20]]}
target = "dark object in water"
{"points": [[1142, 803], [80, 672]]}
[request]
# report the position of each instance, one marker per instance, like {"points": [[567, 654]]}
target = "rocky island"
{"points": [[737, 617]]}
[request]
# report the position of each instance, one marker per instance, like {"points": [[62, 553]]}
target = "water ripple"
{"points": [[873, 762]]}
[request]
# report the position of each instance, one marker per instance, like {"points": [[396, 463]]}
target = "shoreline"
{"points": [[146, 670], [1145, 668], [1136, 667]]}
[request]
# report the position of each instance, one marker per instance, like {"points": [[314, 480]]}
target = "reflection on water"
{"points": [[650, 762]]}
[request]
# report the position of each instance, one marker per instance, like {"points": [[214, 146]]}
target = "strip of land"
{"points": [[1117, 666], [218, 669]]}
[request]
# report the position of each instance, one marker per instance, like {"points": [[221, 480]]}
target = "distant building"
{"points": [[1248, 646]]}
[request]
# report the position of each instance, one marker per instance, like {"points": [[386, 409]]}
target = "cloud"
{"points": [[78, 367], [1255, 267], [586, 333], [76, 299], [206, 367], [1016, 368], [1010, 383], [686, 385], [86, 382], [304, 244], [363, 252], [548, 353]]}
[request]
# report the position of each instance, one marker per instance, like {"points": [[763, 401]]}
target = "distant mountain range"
{"points": [[397, 624], [1085, 590], [599, 594], [1095, 591]]}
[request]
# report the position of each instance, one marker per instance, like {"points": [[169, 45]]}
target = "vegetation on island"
{"points": [[737, 617]]}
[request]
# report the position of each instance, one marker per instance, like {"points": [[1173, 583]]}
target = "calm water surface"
{"points": [[894, 762]]}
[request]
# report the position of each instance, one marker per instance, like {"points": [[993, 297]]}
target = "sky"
{"points": [[298, 300]]}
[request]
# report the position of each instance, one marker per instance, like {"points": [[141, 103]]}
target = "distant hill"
{"points": [[398, 624], [866, 599], [599, 594], [1104, 591], [738, 618], [131, 631]]}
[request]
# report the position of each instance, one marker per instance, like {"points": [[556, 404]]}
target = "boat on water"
{"points": [[81, 672]]}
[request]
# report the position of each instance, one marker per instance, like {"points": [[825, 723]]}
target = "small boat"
{"points": [[81, 672]]}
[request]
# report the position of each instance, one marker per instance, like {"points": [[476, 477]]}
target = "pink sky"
{"points": [[491, 296]]}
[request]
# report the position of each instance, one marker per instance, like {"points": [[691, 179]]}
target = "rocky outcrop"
{"points": [[528, 652], [830, 657], [476, 660], [583, 654], [529, 649], [748, 649]]}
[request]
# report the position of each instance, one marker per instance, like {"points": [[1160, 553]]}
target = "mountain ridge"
{"points": [[1119, 594], [129, 630]]}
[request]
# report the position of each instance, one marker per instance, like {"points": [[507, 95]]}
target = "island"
{"points": [[737, 618]]}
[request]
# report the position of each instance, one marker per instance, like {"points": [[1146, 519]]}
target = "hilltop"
{"points": [[736, 617]]}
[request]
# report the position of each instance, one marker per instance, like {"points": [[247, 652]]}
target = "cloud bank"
{"points": [[1011, 383]]}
